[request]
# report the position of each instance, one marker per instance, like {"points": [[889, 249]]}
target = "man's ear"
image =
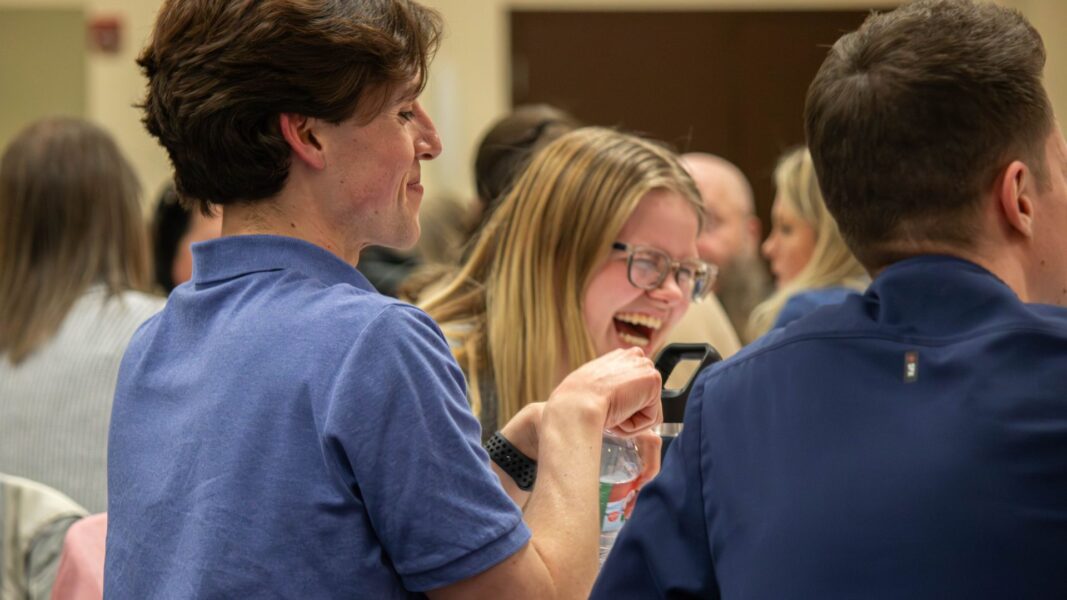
{"points": [[1015, 193], [755, 229], [299, 131]]}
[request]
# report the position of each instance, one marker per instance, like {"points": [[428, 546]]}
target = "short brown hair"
{"points": [[220, 72], [70, 217], [509, 144], [911, 117]]}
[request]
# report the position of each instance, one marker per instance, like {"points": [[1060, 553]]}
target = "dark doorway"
{"points": [[729, 83]]}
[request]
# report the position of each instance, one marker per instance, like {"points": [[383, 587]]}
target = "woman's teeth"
{"points": [[638, 328], [639, 319], [633, 339]]}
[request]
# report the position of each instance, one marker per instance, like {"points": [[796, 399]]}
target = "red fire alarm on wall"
{"points": [[105, 34]]}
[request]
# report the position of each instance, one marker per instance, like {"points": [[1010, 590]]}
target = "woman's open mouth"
{"points": [[636, 328]]}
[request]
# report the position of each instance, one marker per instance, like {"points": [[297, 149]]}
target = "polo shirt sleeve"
{"points": [[401, 419], [663, 550]]}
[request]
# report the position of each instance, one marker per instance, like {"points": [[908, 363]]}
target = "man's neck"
{"points": [[1004, 264], [285, 215]]}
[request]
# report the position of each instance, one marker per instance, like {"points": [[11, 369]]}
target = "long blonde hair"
{"points": [[831, 263], [70, 217], [515, 306]]}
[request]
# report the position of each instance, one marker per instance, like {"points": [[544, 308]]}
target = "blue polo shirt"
{"points": [[280, 429], [908, 443]]}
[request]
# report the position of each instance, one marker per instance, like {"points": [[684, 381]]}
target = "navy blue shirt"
{"points": [[282, 430], [909, 443]]}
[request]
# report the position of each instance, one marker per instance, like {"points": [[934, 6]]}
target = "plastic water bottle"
{"points": [[619, 467]]}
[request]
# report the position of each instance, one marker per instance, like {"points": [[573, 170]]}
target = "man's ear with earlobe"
{"points": [[299, 132], [755, 229], [1015, 191]]}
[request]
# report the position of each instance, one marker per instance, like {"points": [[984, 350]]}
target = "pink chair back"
{"points": [[81, 566]]}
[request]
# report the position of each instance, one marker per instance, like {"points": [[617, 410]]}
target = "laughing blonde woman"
{"points": [[593, 249]]}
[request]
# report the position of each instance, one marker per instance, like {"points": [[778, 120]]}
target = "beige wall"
{"points": [[113, 83], [468, 87], [1050, 18], [53, 36]]}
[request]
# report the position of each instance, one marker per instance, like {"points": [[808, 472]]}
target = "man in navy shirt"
{"points": [[912, 442], [282, 430]]}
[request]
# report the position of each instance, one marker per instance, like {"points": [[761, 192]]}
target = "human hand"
{"points": [[649, 447], [523, 431], [627, 384]]}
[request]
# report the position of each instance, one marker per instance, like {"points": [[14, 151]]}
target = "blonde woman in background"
{"points": [[812, 266], [593, 249], [73, 255]]}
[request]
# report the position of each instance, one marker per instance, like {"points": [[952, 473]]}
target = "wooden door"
{"points": [[729, 83]]}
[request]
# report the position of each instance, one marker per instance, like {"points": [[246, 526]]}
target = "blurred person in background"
{"points": [[731, 236], [509, 145], [388, 268], [444, 225], [175, 228], [811, 264], [74, 264]]}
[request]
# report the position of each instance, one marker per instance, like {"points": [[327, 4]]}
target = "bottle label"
{"points": [[616, 504]]}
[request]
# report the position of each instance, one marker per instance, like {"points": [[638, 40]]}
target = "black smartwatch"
{"points": [[520, 467]]}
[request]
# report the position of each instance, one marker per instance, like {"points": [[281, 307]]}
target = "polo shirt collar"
{"points": [[233, 256], [930, 268], [937, 292]]}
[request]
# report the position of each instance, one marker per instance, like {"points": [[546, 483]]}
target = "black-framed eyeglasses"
{"points": [[647, 268]]}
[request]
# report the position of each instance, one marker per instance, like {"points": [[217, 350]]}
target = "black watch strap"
{"points": [[520, 467]]}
